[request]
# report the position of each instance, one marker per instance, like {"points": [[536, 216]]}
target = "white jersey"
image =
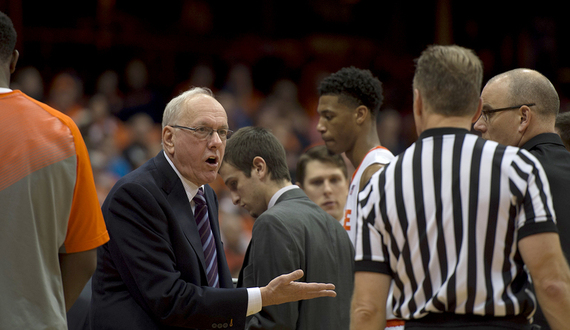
{"points": [[376, 155]]}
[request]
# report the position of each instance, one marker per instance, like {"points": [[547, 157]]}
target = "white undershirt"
{"points": [[4, 90], [254, 303]]}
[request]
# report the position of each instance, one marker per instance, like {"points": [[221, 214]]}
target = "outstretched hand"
{"points": [[283, 289]]}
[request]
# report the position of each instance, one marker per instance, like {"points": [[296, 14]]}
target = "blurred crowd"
{"points": [[120, 120], [121, 124]]}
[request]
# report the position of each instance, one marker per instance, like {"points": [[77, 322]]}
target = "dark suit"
{"points": [[296, 233], [151, 274]]}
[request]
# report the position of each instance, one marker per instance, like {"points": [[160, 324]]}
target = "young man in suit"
{"points": [[290, 232], [164, 267]]}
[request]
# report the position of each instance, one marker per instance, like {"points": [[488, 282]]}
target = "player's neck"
{"points": [[361, 148]]}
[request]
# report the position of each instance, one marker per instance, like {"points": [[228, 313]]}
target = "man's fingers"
{"points": [[322, 293], [293, 276], [285, 288], [315, 290], [319, 286]]}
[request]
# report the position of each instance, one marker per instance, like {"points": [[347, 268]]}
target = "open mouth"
{"points": [[212, 160]]}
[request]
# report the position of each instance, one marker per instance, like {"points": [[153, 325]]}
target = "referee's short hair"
{"points": [[449, 79], [250, 142]]}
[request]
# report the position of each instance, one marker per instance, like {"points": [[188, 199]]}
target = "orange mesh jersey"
{"points": [[48, 206]]}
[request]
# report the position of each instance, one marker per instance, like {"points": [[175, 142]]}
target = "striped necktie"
{"points": [[207, 238]]}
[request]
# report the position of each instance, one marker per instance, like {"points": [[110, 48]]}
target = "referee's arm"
{"points": [[550, 274], [368, 310]]}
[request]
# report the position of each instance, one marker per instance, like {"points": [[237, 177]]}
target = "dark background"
{"points": [[281, 38], [295, 41]]}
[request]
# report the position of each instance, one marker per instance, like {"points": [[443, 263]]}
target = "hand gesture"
{"points": [[283, 289]]}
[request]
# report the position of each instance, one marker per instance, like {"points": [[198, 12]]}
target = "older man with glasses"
{"points": [[164, 267], [519, 109]]}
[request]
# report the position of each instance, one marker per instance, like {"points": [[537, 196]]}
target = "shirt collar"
{"points": [[190, 188], [278, 194], [543, 138], [442, 131]]}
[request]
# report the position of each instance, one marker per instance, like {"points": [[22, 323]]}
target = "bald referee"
{"points": [[454, 219]]}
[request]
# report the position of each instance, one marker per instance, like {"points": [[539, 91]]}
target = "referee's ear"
{"points": [[526, 116], [418, 103]]}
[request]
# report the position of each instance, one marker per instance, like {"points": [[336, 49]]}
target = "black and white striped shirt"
{"points": [[443, 219]]}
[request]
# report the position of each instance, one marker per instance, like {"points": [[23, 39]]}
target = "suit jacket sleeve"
{"points": [[273, 252], [142, 247]]}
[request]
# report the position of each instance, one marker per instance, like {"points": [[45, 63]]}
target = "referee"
{"points": [[455, 219]]}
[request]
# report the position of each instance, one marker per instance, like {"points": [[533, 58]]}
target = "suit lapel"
{"points": [[245, 263], [181, 208]]}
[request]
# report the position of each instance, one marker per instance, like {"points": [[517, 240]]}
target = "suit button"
{"points": [[225, 325], [214, 325]]}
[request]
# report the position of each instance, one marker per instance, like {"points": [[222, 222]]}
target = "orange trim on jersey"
{"points": [[395, 323], [369, 151]]}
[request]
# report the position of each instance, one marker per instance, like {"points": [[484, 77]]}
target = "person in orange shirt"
{"points": [[51, 219]]}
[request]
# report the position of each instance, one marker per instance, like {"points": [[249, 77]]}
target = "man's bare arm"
{"points": [[368, 172], [368, 309], [283, 289], [550, 274], [76, 269]]}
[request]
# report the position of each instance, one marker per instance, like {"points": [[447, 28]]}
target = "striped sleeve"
{"points": [[368, 238], [531, 185]]}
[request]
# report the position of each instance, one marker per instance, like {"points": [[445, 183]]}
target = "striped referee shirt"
{"points": [[444, 218]]}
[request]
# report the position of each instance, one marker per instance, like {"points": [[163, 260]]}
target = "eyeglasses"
{"points": [[485, 113], [204, 132]]}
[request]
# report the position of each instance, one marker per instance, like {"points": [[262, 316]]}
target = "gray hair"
{"points": [[174, 107]]}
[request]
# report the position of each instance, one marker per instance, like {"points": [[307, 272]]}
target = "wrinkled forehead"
{"points": [[496, 94], [203, 110]]}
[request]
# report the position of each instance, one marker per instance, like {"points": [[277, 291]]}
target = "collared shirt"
{"points": [[555, 160], [278, 194], [190, 188], [254, 303]]}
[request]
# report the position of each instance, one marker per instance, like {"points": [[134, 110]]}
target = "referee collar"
{"points": [[442, 131]]}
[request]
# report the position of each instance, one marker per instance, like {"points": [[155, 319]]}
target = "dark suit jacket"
{"points": [[296, 233], [151, 274]]}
